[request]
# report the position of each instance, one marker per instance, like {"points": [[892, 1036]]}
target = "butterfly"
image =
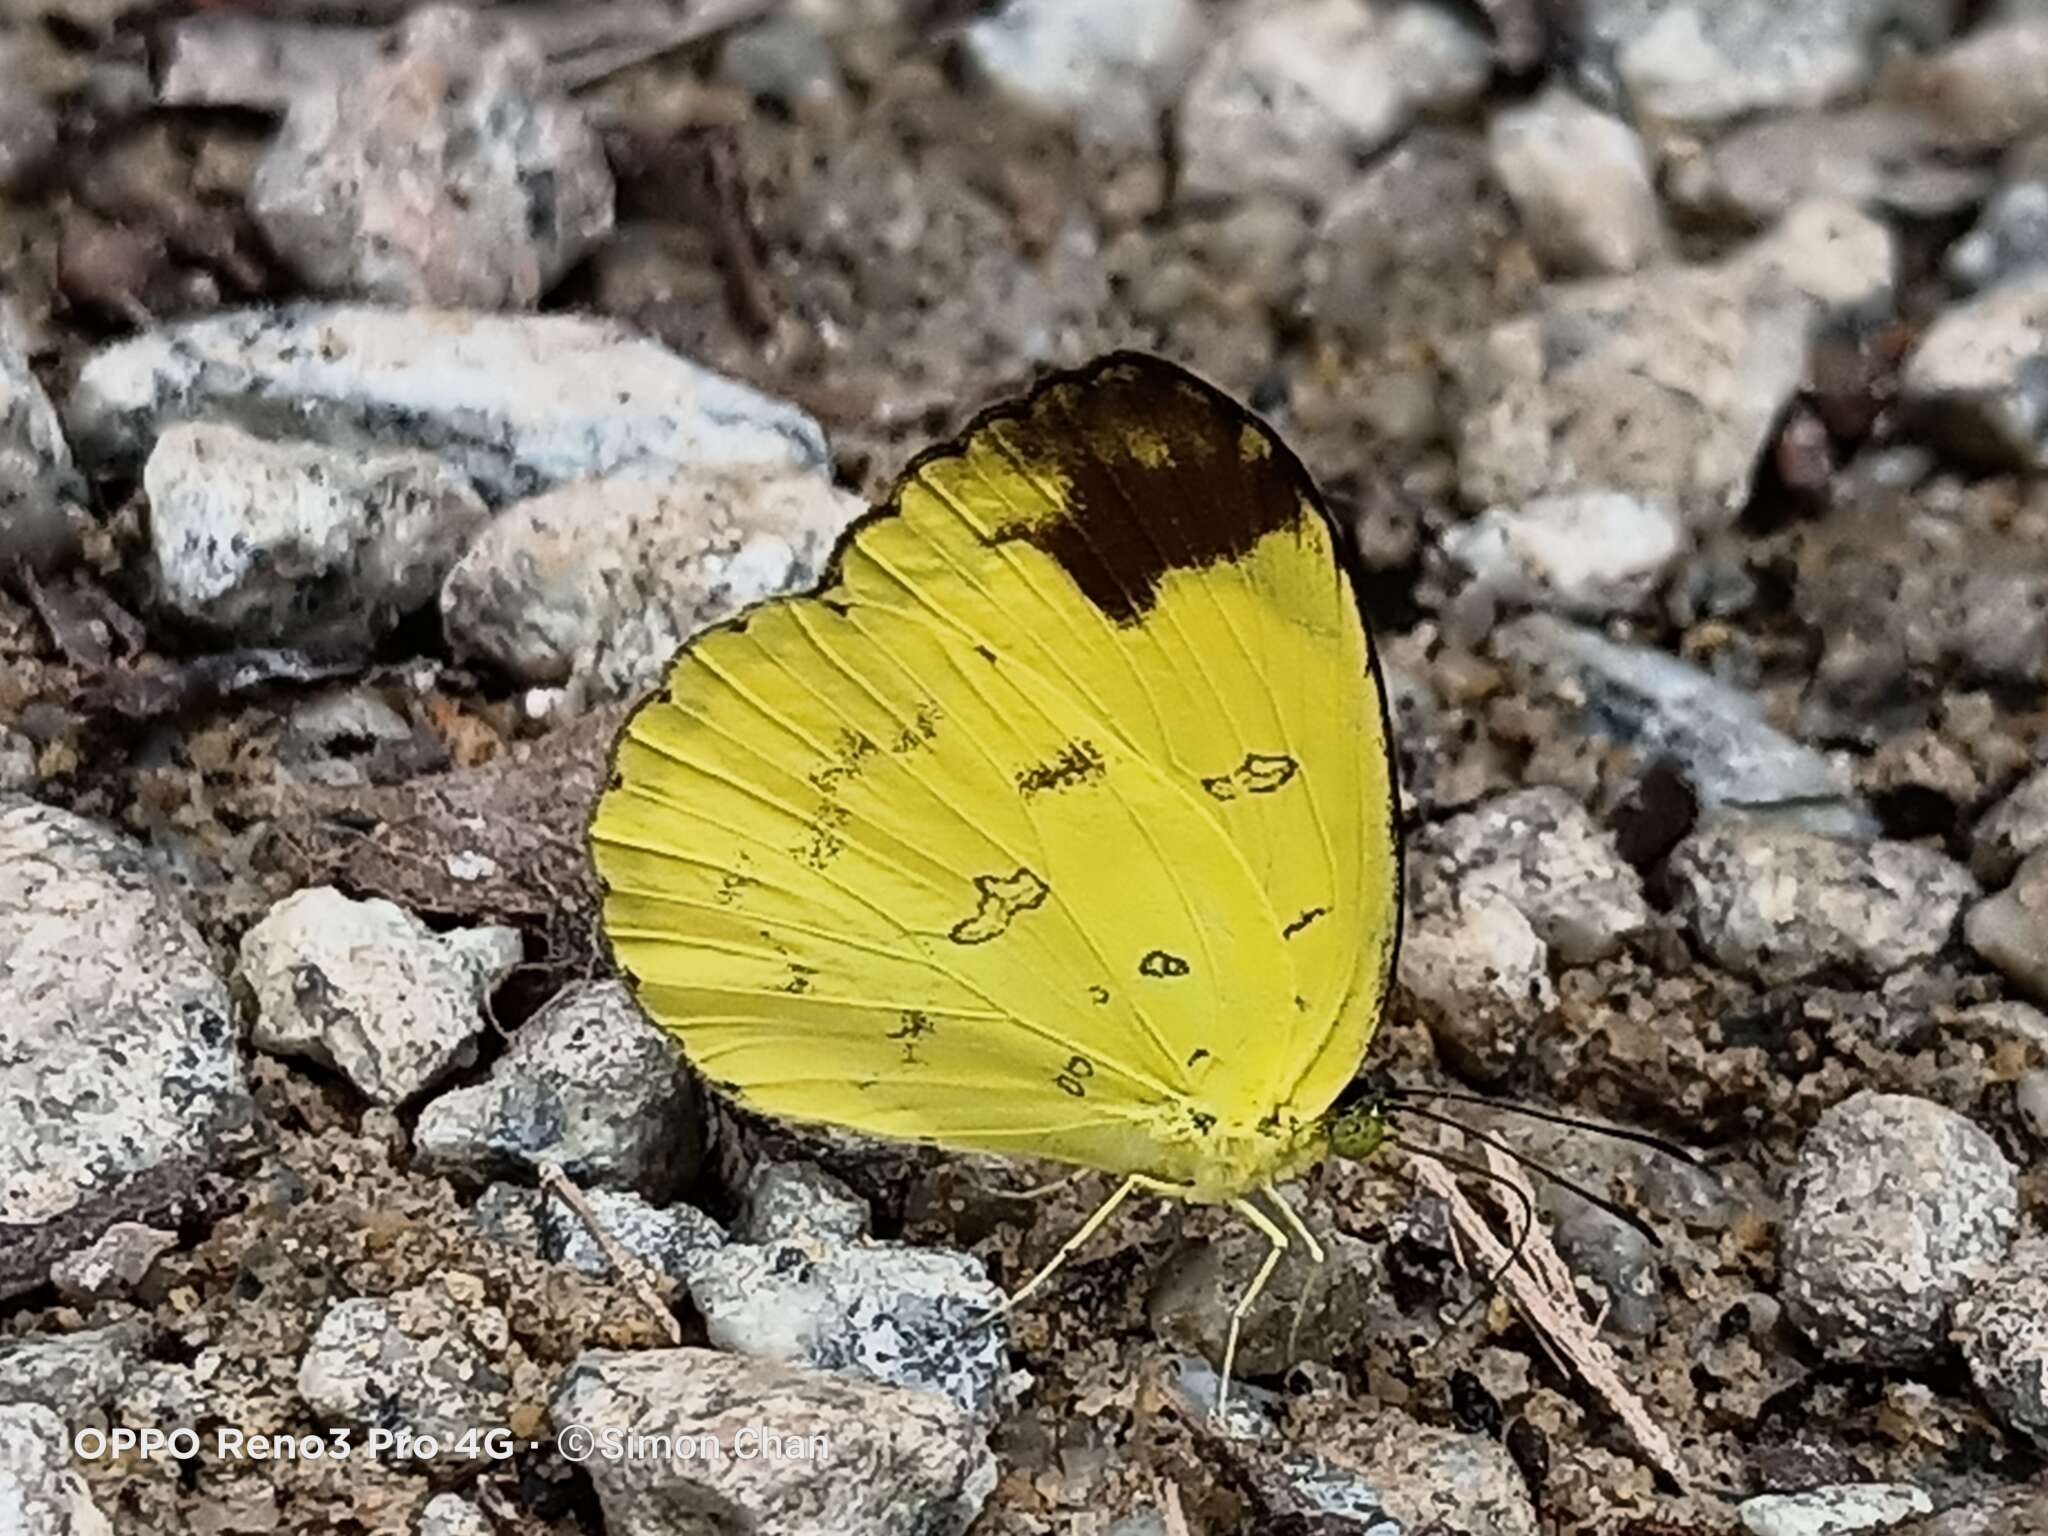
{"points": [[1059, 821]]}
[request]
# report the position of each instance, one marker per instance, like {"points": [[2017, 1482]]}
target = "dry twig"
{"points": [[624, 1265], [1540, 1285]]}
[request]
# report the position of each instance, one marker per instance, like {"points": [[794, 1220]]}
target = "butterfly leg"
{"points": [[1316, 1260], [1278, 1249], [1088, 1229]]}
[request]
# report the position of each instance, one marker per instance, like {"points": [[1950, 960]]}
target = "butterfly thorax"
{"points": [[1215, 1161]]}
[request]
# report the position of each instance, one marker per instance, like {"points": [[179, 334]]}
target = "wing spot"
{"points": [[1078, 763], [1200, 1053], [1301, 922], [1098, 995], [1002, 897], [1260, 773], [1159, 963]]}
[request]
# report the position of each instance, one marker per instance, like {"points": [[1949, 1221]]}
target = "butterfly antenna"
{"points": [[1396, 1095], [1466, 1166], [1601, 1202]]}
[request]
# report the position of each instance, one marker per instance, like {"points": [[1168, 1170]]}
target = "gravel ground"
{"points": [[383, 396]]}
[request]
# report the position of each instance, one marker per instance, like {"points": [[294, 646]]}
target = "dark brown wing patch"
{"points": [[1145, 469]]}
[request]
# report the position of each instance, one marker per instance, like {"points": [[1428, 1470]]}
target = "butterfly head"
{"points": [[1357, 1125]]}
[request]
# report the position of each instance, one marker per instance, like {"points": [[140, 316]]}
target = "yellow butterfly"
{"points": [[1060, 821]]}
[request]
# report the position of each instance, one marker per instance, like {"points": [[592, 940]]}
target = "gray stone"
{"points": [[1581, 182], [510, 1215], [449, 174], [602, 581], [419, 1360], [588, 1084], [2011, 830], [912, 1317], [782, 59], [114, 1265], [1987, 90], [1663, 707], [1668, 384], [514, 403], [1784, 905], [1433, 1479], [1887, 159], [1591, 553], [40, 1489], [1109, 69], [673, 1241], [1476, 972], [18, 773], [2030, 1099], [1306, 1312], [1838, 1510], [2009, 237], [269, 543], [2016, 1511], [75, 1375], [2010, 930], [1706, 61], [120, 1083], [924, 1465], [28, 111], [368, 989], [1891, 1203], [801, 1202], [1978, 381], [1299, 1485], [41, 493], [1414, 249], [1296, 95], [2002, 1325]]}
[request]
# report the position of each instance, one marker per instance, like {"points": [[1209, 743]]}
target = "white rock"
{"points": [[450, 1514], [1581, 182], [911, 1317], [600, 582], [268, 542], [120, 1083], [2011, 830], [1668, 384], [1591, 552], [1838, 1510], [41, 493], [923, 1463], [1477, 973], [1294, 96], [40, 1490], [1111, 69], [587, 1084], [1705, 61], [419, 1360], [1979, 378], [2010, 237], [514, 403], [1539, 850], [1783, 905], [368, 989], [449, 174], [114, 1265]]}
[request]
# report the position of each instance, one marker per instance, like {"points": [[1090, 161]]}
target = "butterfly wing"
{"points": [[1049, 826]]}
